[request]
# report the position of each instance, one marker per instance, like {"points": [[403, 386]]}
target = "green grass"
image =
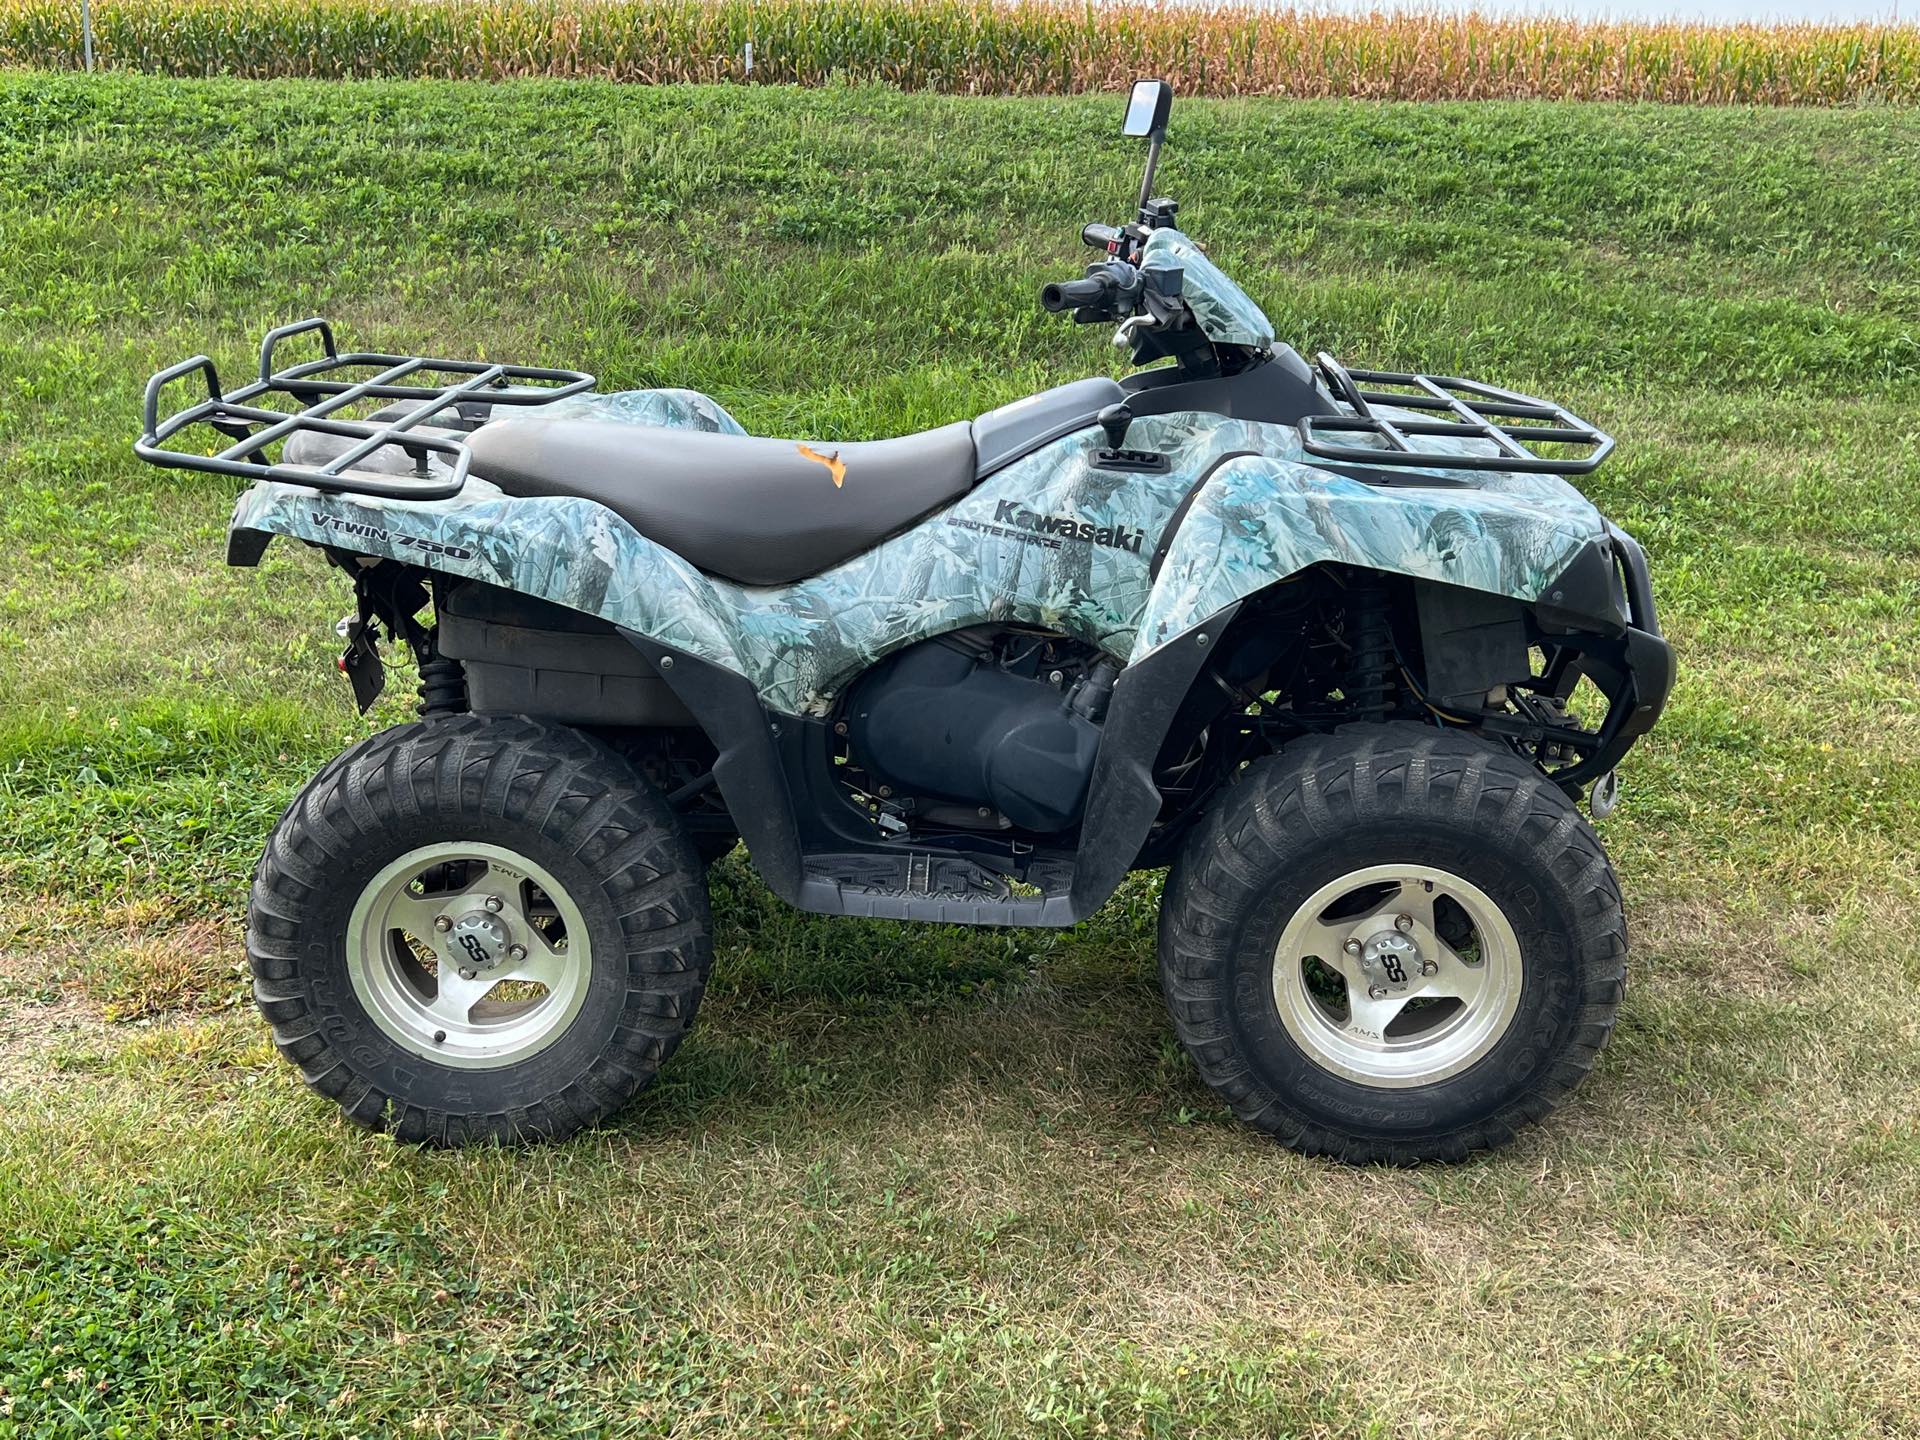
{"points": [[931, 1182]]}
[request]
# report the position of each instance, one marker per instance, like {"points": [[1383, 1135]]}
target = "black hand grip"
{"points": [[1073, 294], [1100, 237]]}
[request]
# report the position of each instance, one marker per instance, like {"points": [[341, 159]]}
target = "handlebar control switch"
{"points": [[1158, 213]]}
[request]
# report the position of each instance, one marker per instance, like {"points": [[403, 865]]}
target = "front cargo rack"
{"points": [[1505, 419], [460, 393]]}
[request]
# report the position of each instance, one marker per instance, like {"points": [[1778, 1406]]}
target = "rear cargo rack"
{"points": [[460, 400], [1505, 419]]}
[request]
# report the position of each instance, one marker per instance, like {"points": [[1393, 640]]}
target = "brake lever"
{"points": [[1124, 335]]}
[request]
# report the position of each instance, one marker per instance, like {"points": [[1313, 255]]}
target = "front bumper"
{"points": [[1600, 615], [1649, 662]]}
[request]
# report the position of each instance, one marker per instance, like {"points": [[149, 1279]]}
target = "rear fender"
{"points": [[570, 551], [1256, 521]]}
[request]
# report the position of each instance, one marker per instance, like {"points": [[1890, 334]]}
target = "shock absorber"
{"points": [[443, 685], [1370, 683]]}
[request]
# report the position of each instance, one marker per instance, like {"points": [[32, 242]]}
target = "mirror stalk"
{"points": [[1153, 163]]}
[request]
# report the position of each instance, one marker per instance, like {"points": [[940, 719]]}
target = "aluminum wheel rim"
{"points": [[1373, 932], [487, 926]]}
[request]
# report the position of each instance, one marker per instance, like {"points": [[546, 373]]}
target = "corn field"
{"points": [[1025, 47]]}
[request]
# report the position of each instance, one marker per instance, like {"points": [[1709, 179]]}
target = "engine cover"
{"points": [[941, 721]]}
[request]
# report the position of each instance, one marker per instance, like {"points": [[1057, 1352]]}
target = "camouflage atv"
{"points": [[1343, 649]]}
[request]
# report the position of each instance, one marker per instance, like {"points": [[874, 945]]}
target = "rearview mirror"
{"points": [[1148, 108]]}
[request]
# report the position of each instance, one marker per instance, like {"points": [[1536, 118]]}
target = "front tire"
{"points": [[476, 929], [1392, 944]]}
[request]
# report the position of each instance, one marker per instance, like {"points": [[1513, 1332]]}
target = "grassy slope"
{"points": [[928, 1182]]}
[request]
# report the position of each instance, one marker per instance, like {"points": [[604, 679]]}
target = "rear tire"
{"points": [[473, 929], [1392, 944]]}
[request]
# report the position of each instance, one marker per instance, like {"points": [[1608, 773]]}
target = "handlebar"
{"points": [[1106, 292], [1100, 237], [1075, 294]]}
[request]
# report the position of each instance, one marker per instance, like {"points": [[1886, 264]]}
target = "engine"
{"points": [[1003, 721]]}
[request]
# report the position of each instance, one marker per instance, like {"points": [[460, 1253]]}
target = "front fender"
{"points": [[1257, 520]]}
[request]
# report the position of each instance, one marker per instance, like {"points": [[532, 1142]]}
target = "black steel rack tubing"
{"points": [[1478, 412], [319, 384]]}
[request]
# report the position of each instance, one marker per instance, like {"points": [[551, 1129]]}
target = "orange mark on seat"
{"points": [[836, 467]]}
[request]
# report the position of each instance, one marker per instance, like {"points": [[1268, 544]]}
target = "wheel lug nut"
{"points": [[1353, 947], [1376, 992], [1403, 923], [495, 904], [469, 974], [517, 952], [442, 922], [1427, 967]]}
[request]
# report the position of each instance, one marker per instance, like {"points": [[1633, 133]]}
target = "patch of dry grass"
{"points": [[138, 975]]}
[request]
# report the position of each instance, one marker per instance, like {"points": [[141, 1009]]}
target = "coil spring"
{"points": [[1370, 685], [443, 687]]}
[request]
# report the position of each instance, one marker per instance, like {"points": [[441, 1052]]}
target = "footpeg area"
{"points": [[945, 889]]}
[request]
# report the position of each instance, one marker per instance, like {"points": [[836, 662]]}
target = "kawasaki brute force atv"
{"points": [[1340, 648]]}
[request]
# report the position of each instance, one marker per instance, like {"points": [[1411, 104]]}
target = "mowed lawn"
{"points": [[907, 1181]]}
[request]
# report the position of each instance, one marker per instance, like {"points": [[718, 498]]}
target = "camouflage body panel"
{"points": [[1226, 313], [669, 409], [1259, 519], [1049, 540]]}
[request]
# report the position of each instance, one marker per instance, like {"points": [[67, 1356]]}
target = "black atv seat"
{"points": [[763, 511]]}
